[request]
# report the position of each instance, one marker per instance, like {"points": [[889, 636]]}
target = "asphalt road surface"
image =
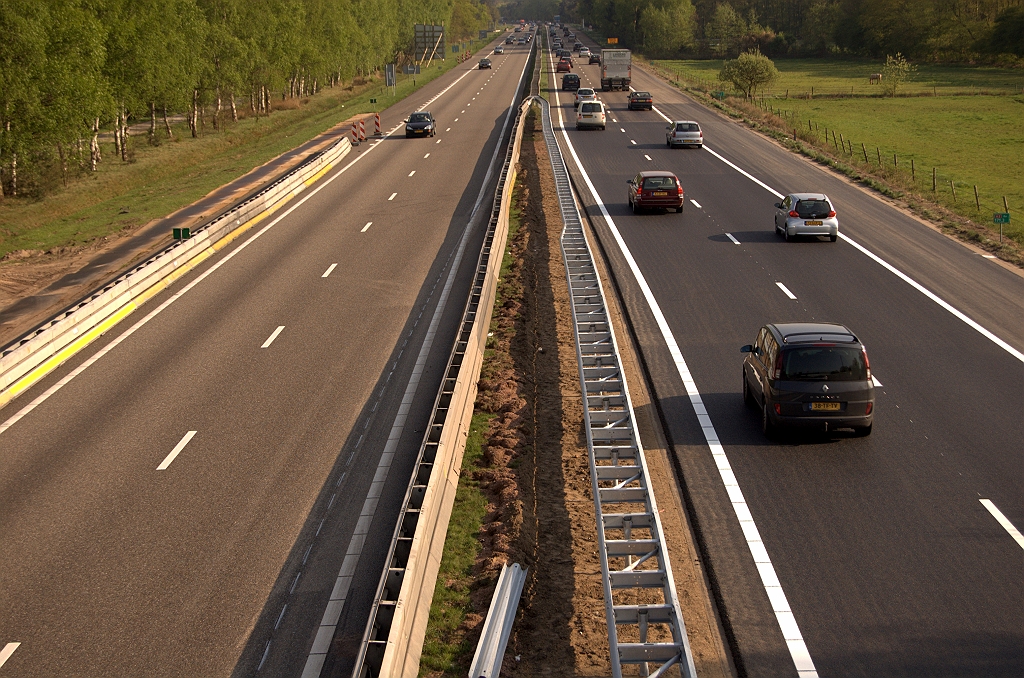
{"points": [[180, 497], [891, 555]]}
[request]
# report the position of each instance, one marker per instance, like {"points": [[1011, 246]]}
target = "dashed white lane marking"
{"points": [[367, 227], [412, 173], [438, 141], [697, 205], [786, 290], [448, 129], [622, 130], [614, 120], [463, 110], [875, 382], [769, 578], [998, 515], [330, 269], [273, 335], [174, 453], [392, 197], [426, 156], [633, 141], [8, 650], [648, 157], [734, 240], [456, 120], [882, 262]]}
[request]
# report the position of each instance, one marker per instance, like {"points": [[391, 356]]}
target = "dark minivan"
{"points": [[814, 375]]}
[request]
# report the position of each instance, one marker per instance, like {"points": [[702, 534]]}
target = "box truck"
{"points": [[615, 69]]}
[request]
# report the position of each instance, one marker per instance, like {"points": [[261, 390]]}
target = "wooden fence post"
{"points": [[977, 201], [865, 149], [879, 156], [913, 170], [952, 187], [934, 185]]}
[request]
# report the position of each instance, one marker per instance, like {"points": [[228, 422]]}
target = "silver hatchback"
{"points": [[806, 214], [684, 133]]}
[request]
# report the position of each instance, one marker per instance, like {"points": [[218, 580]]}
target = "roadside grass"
{"points": [[173, 174], [444, 644], [831, 77], [968, 140]]}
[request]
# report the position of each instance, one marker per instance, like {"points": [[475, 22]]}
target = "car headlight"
{"points": [[408, 127]]}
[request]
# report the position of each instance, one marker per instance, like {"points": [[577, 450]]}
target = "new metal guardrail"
{"points": [[393, 640], [498, 625], [43, 349], [645, 625]]}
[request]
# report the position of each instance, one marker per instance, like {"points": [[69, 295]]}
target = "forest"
{"points": [[988, 31], [71, 68]]}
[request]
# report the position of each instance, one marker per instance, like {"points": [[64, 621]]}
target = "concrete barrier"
{"points": [[42, 350]]}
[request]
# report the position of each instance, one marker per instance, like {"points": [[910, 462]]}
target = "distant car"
{"points": [[584, 52], [485, 63], [522, 41], [640, 100], [564, 66], [809, 375], [420, 124], [510, 40], [499, 50], [595, 58], [577, 46], [684, 133], [655, 189], [806, 214], [570, 81], [584, 94], [591, 114]]}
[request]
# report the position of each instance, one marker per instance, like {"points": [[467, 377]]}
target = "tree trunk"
{"points": [[63, 155], [125, 133], [167, 125], [216, 112], [252, 101], [234, 111], [14, 174], [94, 146], [81, 153], [117, 133], [194, 114], [267, 97], [152, 122]]}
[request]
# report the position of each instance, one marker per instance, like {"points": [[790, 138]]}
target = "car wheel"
{"points": [[668, 143], [748, 398], [787, 236], [767, 426], [833, 238], [862, 431], [632, 206]]}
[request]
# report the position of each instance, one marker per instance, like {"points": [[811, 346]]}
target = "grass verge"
{"points": [[163, 178]]}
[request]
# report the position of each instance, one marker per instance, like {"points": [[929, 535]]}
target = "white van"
{"points": [[591, 114]]}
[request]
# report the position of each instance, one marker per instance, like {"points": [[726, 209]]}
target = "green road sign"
{"points": [[181, 233], [1001, 218]]}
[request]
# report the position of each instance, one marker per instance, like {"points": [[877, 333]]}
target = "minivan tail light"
{"points": [[870, 407], [831, 213], [777, 372], [793, 213], [867, 363]]}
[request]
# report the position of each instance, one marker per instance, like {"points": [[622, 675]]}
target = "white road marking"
{"points": [[875, 382], [456, 119], [270, 339], [622, 130], [632, 141], [989, 256], [8, 650], [998, 515], [786, 290], [392, 197], [882, 262], [734, 240], [448, 129], [426, 156], [174, 453], [412, 173], [697, 205], [649, 157], [769, 578], [463, 110], [438, 141], [367, 227], [336, 604], [329, 270], [614, 120]]}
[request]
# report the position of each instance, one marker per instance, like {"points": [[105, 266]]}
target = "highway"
{"points": [[178, 498], [834, 555]]}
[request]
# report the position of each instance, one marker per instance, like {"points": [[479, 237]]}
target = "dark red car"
{"points": [[656, 189], [564, 66]]}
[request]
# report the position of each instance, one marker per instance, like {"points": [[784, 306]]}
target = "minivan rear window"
{"points": [[824, 363], [591, 108], [813, 208], [687, 127]]}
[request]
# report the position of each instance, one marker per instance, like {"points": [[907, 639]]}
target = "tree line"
{"points": [[70, 68], [933, 30]]}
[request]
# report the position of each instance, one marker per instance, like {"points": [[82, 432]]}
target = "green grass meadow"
{"points": [[164, 178], [969, 139]]}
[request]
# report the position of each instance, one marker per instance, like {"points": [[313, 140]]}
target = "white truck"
{"points": [[615, 69]]}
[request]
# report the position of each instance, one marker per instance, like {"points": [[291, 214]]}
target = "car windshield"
{"points": [[659, 182], [687, 127], [828, 363], [813, 208], [590, 108], [419, 117]]}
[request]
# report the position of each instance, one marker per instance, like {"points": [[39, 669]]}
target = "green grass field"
{"points": [[829, 77], [176, 173]]}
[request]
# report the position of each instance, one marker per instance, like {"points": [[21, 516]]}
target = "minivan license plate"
{"points": [[812, 223], [826, 407]]}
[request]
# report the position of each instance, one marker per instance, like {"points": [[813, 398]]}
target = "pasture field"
{"points": [[834, 78]]}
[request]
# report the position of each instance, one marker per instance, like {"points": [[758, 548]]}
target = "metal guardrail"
{"points": [[645, 625], [393, 638], [498, 625]]}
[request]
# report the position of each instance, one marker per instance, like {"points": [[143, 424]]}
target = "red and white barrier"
{"points": [[362, 130], [355, 134], [376, 123]]}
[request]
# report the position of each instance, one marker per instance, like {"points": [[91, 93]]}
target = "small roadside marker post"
{"points": [[1001, 218]]}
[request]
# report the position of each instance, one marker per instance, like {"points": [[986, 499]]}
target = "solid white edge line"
{"points": [[733, 238], [319, 186], [769, 579], [329, 270], [1004, 521], [367, 227], [336, 603], [270, 339], [786, 290], [892, 269], [177, 450], [8, 650]]}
